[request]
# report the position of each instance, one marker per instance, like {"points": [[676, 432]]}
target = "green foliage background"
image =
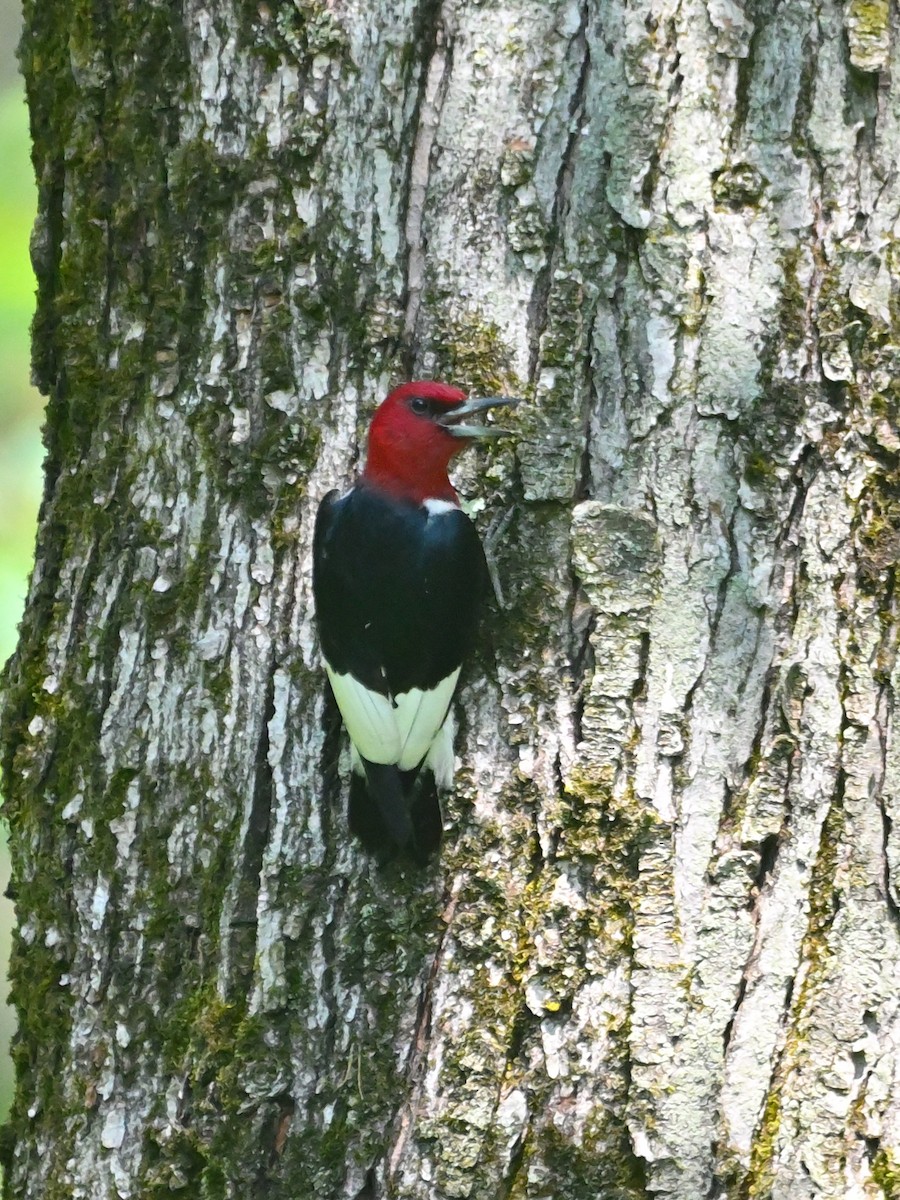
{"points": [[20, 410]]}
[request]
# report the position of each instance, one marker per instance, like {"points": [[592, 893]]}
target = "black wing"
{"points": [[397, 589]]}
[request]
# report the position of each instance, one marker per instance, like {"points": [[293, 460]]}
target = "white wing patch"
{"points": [[399, 731], [369, 718]]}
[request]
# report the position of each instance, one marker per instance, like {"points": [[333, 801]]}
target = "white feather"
{"points": [[420, 716], [401, 730], [369, 718], [440, 756]]}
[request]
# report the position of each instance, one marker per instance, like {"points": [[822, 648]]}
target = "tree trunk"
{"points": [[659, 953]]}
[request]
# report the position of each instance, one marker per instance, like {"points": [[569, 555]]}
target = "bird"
{"points": [[399, 576]]}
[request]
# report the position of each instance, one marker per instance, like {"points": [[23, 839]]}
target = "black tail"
{"points": [[395, 812]]}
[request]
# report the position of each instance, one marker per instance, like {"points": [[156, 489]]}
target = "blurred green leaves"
{"points": [[20, 442], [20, 405]]}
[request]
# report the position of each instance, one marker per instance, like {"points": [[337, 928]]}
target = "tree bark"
{"points": [[659, 953]]}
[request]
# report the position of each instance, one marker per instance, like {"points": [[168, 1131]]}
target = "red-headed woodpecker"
{"points": [[398, 580]]}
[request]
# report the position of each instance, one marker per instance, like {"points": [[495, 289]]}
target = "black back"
{"points": [[397, 589]]}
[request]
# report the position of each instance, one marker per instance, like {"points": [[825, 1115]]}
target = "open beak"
{"points": [[451, 420]]}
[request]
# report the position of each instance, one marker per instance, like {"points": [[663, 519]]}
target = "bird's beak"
{"points": [[450, 421]]}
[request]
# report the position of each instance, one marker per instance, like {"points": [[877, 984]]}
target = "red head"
{"points": [[414, 435]]}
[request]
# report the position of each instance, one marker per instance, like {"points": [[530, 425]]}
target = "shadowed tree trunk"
{"points": [[659, 953]]}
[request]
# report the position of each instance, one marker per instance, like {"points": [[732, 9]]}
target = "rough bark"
{"points": [[659, 953]]}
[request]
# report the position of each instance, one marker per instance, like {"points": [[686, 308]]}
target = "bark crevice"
{"points": [[554, 250]]}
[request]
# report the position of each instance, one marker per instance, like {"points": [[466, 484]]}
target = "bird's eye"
{"points": [[418, 405]]}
